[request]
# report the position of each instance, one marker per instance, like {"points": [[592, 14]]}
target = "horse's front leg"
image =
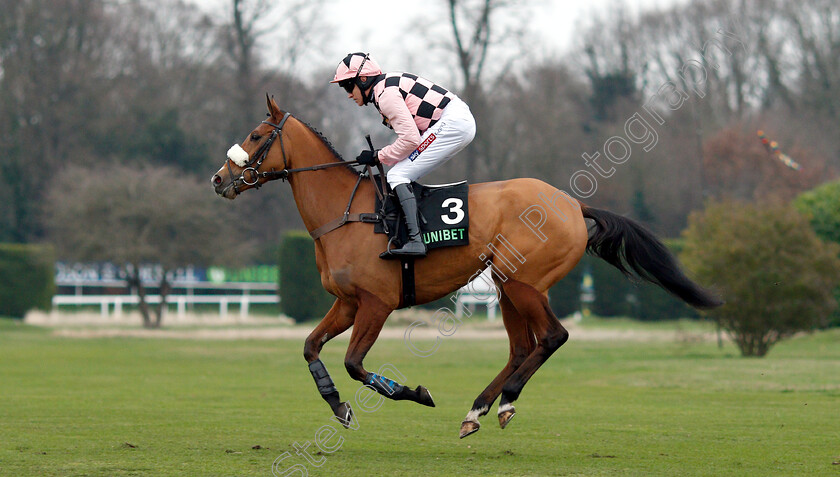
{"points": [[370, 318], [337, 320]]}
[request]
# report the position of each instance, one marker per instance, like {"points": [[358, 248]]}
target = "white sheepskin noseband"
{"points": [[238, 155]]}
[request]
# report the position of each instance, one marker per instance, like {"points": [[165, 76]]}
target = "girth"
{"points": [[407, 266]]}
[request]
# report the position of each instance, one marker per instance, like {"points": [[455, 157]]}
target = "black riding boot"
{"points": [[415, 246]]}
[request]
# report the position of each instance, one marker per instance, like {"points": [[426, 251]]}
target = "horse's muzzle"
{"points": [[225, 190]]}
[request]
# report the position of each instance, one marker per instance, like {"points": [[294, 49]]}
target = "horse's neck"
{"points": [[321, 195]]}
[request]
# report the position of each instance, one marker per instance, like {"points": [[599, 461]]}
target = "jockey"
{"points": [[432, 125]]}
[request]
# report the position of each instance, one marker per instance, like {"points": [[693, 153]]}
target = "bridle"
{"points": [[252, 167]]}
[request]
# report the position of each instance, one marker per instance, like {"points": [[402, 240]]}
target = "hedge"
{"points": [[302, 297], [564, 296], [612, 288], [27, 278]]}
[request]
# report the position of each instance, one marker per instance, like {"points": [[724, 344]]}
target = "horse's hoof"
{"points": [[469, 427], [344, 414], [425, 397], [506, 416]]}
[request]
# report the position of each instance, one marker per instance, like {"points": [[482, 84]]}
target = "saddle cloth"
{"points": [[444, 215]]}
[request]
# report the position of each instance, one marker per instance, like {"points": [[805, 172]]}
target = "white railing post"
{"points": [[243, 307], [491, 310]]}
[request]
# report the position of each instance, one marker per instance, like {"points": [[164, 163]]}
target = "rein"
{"points": [[252, 169]]}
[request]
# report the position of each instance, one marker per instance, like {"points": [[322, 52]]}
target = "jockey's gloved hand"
{"points": [[368, 157]]}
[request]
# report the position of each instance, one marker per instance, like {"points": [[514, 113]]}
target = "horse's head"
{"points": [[255, 161]]}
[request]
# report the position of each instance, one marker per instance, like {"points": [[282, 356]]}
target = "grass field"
{"points": [[132, 406]]}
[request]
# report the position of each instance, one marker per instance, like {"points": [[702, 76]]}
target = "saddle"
{"points": [[443, 211], [444, 220]]}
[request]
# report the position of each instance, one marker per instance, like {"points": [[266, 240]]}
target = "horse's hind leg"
{"points": [[522, 343], [370, 317], [550, 335], [337, 320]]}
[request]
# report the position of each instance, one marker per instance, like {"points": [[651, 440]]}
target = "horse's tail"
{"points": [[631, 248]]}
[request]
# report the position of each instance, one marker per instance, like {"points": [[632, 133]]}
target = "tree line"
{"points": [[94, 82], [651, 113]]}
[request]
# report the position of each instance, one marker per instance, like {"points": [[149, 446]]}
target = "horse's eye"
{"points": [[255, 137]]}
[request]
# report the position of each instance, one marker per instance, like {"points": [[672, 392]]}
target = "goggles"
{"points": [[348, 85]]}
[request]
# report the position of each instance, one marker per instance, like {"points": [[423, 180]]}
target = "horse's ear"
{"points": [[273, 110]]}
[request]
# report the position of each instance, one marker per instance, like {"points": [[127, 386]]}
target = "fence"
{"points": [[78, 293], [116, 302], [191, 293], [480, 291]]}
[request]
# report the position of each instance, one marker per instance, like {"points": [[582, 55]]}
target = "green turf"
{"points": [[91, 407]]}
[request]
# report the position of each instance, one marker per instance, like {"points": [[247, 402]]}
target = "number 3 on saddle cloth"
{"points": [[444, 216]]}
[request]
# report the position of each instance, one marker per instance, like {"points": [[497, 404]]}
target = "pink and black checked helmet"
{"points": [[355, 65]]}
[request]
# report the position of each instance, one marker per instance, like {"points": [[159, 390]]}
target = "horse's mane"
{"points": [[329, 145]]}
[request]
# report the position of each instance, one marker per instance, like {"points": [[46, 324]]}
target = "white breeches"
{"points": [[454, 130]]}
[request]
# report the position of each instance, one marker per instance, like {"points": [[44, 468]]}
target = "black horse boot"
{"points": [[415, 246]]}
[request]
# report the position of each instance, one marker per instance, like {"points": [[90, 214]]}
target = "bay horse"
{"points": [[543, 231]]}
